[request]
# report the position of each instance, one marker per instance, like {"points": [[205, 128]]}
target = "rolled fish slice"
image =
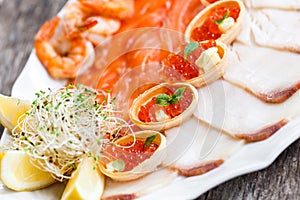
{"points": [[271, 75], [242, 115], [195, 148], [272, 28]]}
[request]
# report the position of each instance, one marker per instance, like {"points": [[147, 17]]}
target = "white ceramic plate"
{"points": [[249, 158]]}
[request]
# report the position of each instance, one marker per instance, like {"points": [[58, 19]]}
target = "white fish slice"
{"points": [[272, 28], [246, 36], [137, 188], [271, 75], [242, 115], [277, 4], [195, 144]]}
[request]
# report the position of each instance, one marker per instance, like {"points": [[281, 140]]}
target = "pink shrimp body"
{"points": [[60, 55], [111, 8], [91, 23]]}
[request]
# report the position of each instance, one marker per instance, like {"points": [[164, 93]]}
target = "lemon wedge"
{"points": [[87, 182], [2, 153], [11, 109], [19, 174]]}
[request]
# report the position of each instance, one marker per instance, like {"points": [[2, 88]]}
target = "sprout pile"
{"points": [[64, 126]]}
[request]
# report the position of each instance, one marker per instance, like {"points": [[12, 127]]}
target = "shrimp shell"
{"points": [[59, 61]]}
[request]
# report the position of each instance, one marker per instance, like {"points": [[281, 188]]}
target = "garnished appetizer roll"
{"points": [[134, 155], [219, 21], [164, 106], [200, 63]]}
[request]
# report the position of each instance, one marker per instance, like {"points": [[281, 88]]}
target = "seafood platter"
{"points": [[136, 99]]}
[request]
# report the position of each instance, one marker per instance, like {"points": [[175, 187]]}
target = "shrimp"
{"points": [[104, 28], [61, 56], [120, 9], [90, 23]]}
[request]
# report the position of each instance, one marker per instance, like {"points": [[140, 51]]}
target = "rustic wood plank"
{"points": [[20, 20]]}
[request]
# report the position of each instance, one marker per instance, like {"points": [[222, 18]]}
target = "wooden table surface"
{"points": [[20, 20]]}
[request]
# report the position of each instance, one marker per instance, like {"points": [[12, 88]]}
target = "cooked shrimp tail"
{"points": [[62, 57], [87, 22], [79, 30]]}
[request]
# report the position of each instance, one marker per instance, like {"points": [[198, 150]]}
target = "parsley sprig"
{"points": [[220, 21], [149, 140], [166, 100], [189, 49]]}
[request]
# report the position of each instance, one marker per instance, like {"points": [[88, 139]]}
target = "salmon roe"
{"points": [[132, 156], [178, 69], [212, 1], [147, 111], [209, 30]]}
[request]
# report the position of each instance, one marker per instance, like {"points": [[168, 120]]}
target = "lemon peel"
{"points": [[19, 173]]}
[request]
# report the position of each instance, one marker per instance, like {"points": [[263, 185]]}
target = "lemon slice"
{"points": [[87, 182], [11, 109], [19, 174]]}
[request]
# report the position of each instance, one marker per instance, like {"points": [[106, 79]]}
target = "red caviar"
{"points": [[209, 30], [178, 69], [212, 1], [131, 155], [147, 111]]}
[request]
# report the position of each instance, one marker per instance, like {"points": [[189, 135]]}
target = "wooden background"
{"points": [[20, 20]]}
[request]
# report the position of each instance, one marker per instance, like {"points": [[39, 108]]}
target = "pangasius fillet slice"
{"points": [[242, 115], [195, 148], [272, 28], [271, 75]]}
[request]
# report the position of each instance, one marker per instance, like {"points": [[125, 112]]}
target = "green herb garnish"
{"points": [[96, 158], [218, 22], [166, 100], [189, 48], [163, 100], [27, 149], [98, 141], [57, 106], [73, 165], [118, 165], [22, 138], [149, 140]]}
